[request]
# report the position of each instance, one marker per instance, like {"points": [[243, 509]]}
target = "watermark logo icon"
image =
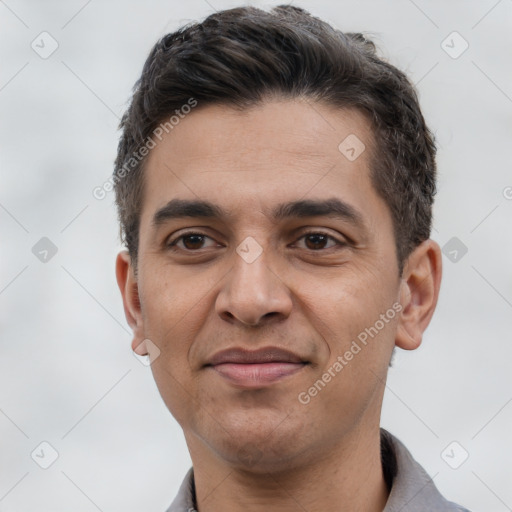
{"points": [[454, 249], [44, 45], [455, 455], [351, 147], [44, 250], [454, 45], [249, 250], [44, 455], [249, 455], [146, 352]]}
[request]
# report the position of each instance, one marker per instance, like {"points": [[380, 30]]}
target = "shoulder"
{"points": [[412, 489], [185, 499]]}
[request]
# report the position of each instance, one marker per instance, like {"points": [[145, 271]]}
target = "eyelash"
{"points": [[172, 245]]}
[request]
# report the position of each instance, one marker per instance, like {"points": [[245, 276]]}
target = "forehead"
{"points": [[255, 158], [299, 127]]}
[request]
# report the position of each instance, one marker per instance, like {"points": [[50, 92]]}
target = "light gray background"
{"points": [[67, 373]]}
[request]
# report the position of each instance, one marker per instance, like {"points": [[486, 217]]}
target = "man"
{"points": [[275, 182]]}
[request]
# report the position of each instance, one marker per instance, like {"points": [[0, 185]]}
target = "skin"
{"points": [[261, 449]]}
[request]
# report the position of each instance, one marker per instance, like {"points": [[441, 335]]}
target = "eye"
{"points": [[314, 241], [317, 240], [191, 241]]}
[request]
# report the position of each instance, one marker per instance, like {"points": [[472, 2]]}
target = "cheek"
{"points": [[174, 387], [355, 316], [172, 315], [359, 343], [172, 303]]}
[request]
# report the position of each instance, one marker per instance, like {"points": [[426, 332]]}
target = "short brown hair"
{"points": [[240, 57]]}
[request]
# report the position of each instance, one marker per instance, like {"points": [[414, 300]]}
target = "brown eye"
{"points": [[193, 241], [189, 242], [317, 240]]}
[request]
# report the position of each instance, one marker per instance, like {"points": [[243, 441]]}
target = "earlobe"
{"points": [[419, 292], [132, 308]]}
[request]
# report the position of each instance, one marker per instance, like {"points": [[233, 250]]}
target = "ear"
{"points": [[130, 292], [419, 291]]}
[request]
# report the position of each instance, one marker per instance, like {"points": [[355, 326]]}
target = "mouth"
{"points": [[256, 369], [257, 375]]}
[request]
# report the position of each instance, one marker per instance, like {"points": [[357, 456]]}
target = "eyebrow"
{"points": [[332, 207]]}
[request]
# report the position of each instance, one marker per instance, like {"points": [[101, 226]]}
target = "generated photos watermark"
{"points": [[100, 192], [305, 397]]}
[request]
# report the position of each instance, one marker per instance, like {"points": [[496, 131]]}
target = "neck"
{"points": [[348, 478]]}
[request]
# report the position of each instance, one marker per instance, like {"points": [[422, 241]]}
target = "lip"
{"points": [[260, 356], [257, 375], [257, 368]]}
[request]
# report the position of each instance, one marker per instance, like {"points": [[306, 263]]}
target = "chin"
{"points": [[261, 460], [261, 446]]}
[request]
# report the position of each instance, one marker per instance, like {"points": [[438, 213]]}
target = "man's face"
{"points": [[308, 284]]}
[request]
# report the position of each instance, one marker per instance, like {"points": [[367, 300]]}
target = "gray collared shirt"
{"points": [[412, 490]]}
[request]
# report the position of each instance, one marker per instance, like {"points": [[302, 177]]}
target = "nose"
{"points": [[253, 294]]}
